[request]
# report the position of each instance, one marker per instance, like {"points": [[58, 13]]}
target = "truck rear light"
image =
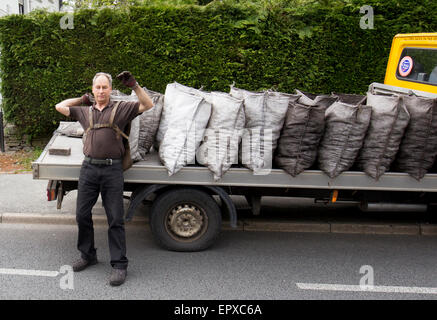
{"points": [[52, 187]]}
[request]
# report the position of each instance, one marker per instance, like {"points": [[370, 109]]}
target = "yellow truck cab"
{"points": [[412, 62]]}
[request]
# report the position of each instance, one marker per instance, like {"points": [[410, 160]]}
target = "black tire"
{"points": [[185, 219]]}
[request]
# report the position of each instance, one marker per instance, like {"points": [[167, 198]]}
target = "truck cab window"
{"points": [[418, 65]]}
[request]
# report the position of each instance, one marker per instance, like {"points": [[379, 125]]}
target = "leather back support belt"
{"points": [[107, 162]]}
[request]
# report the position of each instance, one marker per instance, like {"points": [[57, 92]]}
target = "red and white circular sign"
{"points": [[405, 66]]}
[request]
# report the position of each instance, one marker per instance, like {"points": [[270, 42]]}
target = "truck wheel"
{"points": [[185, 220]]}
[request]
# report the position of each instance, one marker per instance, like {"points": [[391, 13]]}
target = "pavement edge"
{"points": [[245, 224]]}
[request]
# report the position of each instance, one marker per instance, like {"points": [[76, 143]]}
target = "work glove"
{"points": [[128, 79], [87, 99]]}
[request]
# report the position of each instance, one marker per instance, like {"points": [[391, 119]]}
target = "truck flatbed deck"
{"points": [[151, 171]]}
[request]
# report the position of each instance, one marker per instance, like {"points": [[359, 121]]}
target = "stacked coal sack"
{"points": [[418, 148], [145, 126], [219, 149], [265, 115], [346, 127], [389, 120], [350, 98], [184, 119], [303, 128]]}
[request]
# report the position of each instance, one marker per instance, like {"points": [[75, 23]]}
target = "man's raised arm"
{"points": [[128, 80], [64, 106]]}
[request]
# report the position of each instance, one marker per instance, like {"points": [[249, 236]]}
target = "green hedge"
{"points": [[313, 47]]}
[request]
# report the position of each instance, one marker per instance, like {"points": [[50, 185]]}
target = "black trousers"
{"points": [[108, 181]]}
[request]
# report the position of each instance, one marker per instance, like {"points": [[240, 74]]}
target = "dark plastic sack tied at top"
{"points": [[346, 127], [144, 127], [418, 148], [388, 122], [303, 128]]}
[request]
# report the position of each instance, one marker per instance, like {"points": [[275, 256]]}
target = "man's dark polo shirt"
{"points": [[102, 143]]}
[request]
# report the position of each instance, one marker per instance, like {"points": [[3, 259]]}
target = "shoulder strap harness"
{"points": [[111, 123]]}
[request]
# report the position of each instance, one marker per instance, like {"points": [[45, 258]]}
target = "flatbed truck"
{"points": [[187, 210]]}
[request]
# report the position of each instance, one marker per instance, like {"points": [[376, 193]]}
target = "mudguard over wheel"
{"points": [[185, 219]]}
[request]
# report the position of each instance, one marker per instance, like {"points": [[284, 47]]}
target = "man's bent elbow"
{"points": [[146, 107], [64, 110]]}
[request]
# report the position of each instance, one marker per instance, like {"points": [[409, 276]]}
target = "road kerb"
{"points": [[376, 228], [428, 230], [285, 226], [226, 225], [246, 224]]}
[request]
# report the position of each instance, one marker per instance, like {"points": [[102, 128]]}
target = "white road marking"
{"points": [[357, 288], [23, 272]]}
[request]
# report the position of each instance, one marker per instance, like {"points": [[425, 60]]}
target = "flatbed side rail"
{"points": [[310, 179]]}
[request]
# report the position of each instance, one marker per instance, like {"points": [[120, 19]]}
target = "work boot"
{"points": [[82, 264], [118, 276]]}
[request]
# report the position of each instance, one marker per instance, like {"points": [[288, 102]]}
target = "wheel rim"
{"points": [[186, 222]]}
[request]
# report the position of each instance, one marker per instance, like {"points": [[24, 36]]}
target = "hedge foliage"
{"points": [[317, 46]]}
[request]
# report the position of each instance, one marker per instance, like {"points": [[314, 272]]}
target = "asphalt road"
{"points": [[241, 265], [252, 265]]}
